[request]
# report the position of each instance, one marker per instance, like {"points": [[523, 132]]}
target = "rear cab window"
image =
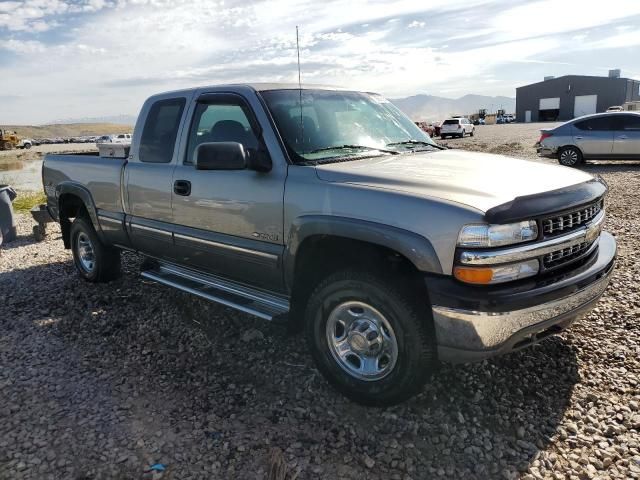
{"points": [[160, 131], [453, 121]]}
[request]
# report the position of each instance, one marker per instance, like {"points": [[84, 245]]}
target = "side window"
{"points": [[630, 123], [595, 124], [161, 130], [220, 122]]}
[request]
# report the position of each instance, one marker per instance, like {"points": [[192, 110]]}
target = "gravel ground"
{"points": [[102, 381], [514, 139]]}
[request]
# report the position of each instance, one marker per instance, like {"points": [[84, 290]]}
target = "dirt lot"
{"points": [[102, 381], [513, 139]]}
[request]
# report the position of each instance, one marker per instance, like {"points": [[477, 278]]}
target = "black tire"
{"points": [[106, 260], [472, 132], [570, 156], [411, 326], [27, 146]]}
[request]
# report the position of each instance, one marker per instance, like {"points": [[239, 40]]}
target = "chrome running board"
{"points": [[235, 295]]}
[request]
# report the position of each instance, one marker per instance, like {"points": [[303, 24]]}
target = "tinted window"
{"points": [[595, 124], [629, 122], [220, 122], [450, 122], [160, 131]]}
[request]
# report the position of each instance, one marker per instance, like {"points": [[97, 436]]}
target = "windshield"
{"points": [[335, 125]]}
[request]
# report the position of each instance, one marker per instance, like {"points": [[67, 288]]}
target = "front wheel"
{"points": [[369, 338], [472, 132], [94, 261], [570, 156]]}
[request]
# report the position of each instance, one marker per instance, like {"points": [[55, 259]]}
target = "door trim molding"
{"points": [[226, 246]]}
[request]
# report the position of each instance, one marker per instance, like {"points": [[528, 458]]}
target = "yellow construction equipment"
{"points": [[8, 140]]}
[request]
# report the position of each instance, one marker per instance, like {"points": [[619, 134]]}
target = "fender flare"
{"points": [[84, 194], [416, 248]]}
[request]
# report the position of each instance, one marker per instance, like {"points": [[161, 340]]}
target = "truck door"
{"points": [[229, 222], [148, 177]]}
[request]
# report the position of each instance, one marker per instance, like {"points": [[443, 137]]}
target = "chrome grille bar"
{"points": [[585, 234], [571, 220]]}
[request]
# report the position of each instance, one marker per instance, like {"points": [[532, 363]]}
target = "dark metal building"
{"points": [[571, 96]]}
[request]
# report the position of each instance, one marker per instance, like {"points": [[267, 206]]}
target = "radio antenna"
{"points": [[300, 90]]}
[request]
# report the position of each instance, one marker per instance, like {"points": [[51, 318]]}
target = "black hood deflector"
{"points": [[546, 203]]}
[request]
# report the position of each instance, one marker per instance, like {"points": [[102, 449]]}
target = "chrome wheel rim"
{"points": [[361, 341], [85, 252], [569, 157]]}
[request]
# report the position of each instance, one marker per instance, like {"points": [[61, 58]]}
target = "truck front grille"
{"points": [[565, 255], [571, 220]]}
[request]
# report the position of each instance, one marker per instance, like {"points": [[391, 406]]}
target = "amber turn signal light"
{"points": [[481, 276]]}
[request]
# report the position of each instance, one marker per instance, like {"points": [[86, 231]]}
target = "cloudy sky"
{"points": [[63, 59]]}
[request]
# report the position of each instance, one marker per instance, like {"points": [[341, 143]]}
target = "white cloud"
{"points": [[108, 55]]}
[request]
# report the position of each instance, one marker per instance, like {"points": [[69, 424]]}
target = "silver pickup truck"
{"points": [[331, 210]]}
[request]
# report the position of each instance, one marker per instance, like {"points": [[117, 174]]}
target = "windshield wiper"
{"points": [[353, 147], [415, 142]]}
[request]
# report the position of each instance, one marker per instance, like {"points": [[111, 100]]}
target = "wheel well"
{"points": [[320, 255], [69, 206], [569, 146]]}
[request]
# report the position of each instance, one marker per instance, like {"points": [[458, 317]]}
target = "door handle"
{"points": [[182, 187], [622, 137], [578, 138]]}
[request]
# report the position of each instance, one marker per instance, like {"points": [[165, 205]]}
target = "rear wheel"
{"points": [[94, 261], [369, 338], [570, 156]]}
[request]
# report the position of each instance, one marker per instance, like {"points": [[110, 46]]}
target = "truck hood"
{"points": [[479, 180]]}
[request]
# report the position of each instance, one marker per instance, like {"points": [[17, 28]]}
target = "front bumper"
{"points": [[473, 324]]}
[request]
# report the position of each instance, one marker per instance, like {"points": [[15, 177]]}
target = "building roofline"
{"points": [[576, 76]]}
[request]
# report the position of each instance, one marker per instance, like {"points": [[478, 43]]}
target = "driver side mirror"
{"points": [[220, 156]]}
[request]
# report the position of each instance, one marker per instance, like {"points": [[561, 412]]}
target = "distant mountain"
{"points": [[117, 119], [433, 108]]}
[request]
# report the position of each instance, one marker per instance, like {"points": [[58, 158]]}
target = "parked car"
{"points": [[599, 136], [456, 127], [509, 118], [615, 108], [26, 143], [124, 138], [427, 128], [391, 252]]}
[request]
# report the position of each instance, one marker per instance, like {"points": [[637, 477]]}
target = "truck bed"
{"points": [[101, 176]]}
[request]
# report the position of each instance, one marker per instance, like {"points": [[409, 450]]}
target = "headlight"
{"points": [[498, 273], [483, 235]]}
